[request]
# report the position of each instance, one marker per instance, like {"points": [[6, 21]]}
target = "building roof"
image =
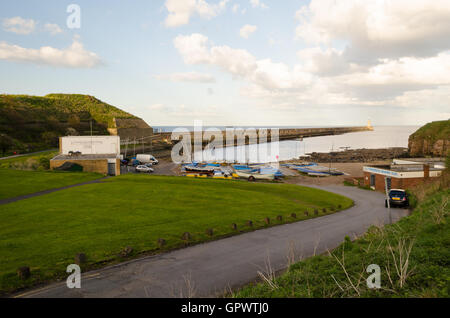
{"points": [[85, 157]]}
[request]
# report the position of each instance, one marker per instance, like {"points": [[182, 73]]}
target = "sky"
{"points": [[231, 62]]}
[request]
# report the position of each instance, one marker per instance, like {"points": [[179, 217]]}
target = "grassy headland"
{"points": [[31, 123]]}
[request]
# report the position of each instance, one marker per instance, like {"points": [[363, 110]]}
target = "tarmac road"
{"points": [[212, 268]]}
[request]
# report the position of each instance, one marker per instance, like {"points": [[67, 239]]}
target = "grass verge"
{"points": [[413, 255], [102, 219]]}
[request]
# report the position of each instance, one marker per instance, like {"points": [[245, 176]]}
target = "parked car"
{"points": [[397, 197], [135, 162], [142, 168]]}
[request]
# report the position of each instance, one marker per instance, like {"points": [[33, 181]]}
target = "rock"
{"points": [[293, 215], [267, 220], [316, 212], [80, 258], [23, 272], [210, 232], [279, 218], [306, 213], [324, 210]]}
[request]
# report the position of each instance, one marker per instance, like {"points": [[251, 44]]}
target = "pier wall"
{"points": [[284, 133]]}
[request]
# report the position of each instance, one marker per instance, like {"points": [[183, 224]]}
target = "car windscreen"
{"points": [[397, 193]]}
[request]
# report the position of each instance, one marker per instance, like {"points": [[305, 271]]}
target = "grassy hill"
{"points": [[30, 123]]}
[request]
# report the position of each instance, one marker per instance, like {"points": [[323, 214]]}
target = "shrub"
{"points": [[44, 162]]}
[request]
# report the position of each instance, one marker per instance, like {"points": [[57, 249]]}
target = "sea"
{"points": [[380, 137]]}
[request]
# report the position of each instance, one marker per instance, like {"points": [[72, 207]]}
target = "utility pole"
{"points": [[126, 147], [90, 122], [387, 199], [331, 153], [151, 142]]}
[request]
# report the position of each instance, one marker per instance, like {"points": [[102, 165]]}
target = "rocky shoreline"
{"points": [[358, 155]]}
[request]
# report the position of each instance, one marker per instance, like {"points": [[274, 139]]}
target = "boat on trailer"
{"points": [[254, 175]]}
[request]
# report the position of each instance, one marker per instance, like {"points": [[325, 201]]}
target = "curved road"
{"points": [[212, 268]]}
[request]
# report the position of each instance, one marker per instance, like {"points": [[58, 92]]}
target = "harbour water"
{"points": [[380, 137]]}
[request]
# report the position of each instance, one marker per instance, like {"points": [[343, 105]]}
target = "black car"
{"points": [[397, 197]]}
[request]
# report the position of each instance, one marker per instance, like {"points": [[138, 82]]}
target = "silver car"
{"points": [[142, 168]]}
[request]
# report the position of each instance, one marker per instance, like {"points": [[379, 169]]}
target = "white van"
{"points": [[146, 159]]}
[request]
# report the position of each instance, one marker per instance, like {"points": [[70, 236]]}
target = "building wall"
{"points": [[396, 183], [98, 165], [90, 144]]}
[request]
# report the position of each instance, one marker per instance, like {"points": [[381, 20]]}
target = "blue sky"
{"points": [[306, 63]]}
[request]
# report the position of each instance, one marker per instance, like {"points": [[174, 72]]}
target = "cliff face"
{"points": [[433, 139]]}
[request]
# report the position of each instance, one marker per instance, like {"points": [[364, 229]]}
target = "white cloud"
{"points": [[393, 78], [327, 62], [19, 25], [187, 77], [324, 76], [258, 4], [375, 29], [75, 56], [235, 8], [180, 11], [52, 28], [240, 63], [247, 30]]}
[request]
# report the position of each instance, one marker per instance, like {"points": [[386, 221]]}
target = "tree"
{"points": [[6, 143], [74, 121], [50, 138]]}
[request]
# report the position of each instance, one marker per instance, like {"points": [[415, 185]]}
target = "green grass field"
{"points": [[418, 246], [18, 182], [7, 162], [99, 220]]}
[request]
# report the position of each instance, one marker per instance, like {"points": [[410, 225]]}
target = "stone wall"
{"points": [[97, 165]]}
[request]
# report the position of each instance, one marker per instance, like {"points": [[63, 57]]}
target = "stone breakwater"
{"points": [[283, 133]]}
